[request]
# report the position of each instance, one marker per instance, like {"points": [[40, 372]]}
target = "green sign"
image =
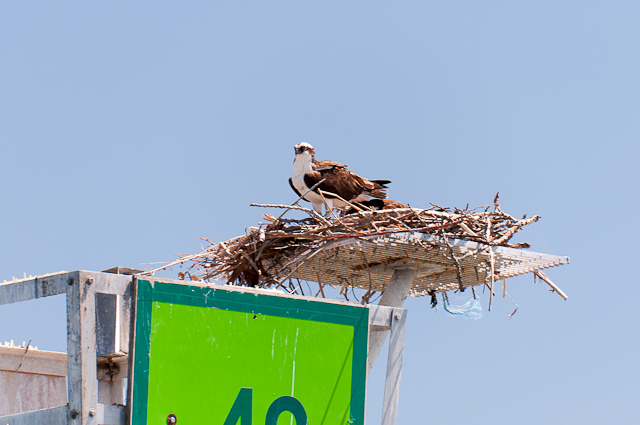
{"points": [[234, 357]]}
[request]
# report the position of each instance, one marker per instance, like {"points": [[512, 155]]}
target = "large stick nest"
{"points": [[265, 255]]}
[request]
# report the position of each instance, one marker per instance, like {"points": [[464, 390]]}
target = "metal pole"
{"points": [[394, 367], [81, 344], [394, 295]]}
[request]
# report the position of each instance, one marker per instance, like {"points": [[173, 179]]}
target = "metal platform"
{"points": [[369, 262], [98, 366]]}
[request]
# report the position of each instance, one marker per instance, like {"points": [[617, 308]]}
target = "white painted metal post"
{"points": [[394, 367], [394, 295]]}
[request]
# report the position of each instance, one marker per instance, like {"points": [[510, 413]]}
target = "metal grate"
{"points": [[368, 262]]}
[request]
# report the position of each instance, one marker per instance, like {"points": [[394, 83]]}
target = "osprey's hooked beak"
{"points": [[299, 150]]}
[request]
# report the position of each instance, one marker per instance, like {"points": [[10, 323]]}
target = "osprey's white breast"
{"points": [[301, 166]]}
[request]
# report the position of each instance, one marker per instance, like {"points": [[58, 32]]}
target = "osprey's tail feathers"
{"points": [[377, 204], [376, 193], [382, 183], [378, 190]]}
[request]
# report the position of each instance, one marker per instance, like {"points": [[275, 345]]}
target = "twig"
{"points": [[293, 207], [320, 291], [322, 192], [455, 260], [23, 356], [544, 277], [492, 276], [515, 228], [326, 206], [253, 264], [364, 257], [181, 260], [469, 231], [388, 232]]}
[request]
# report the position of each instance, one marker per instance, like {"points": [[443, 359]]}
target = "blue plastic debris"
{"points": [[472, 309]]}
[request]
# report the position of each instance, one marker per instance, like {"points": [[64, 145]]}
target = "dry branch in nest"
{"points": [[267, 255]]}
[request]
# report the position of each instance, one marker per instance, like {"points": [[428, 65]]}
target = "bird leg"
{"points": [[317, 207], [328, 204]]}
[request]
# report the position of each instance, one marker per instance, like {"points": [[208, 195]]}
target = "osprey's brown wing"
{"points": [[294, 188], [344, 183], [317, 165]]}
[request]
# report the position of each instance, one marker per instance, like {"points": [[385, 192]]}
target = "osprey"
{"points": [[338, 180]]}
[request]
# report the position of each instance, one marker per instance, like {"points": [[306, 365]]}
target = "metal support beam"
{"points": [[55, 416], [85, 324], [110, 415], [81, 344], [91, 297], [111, 380], [394, 367], [113, 314], [32, 288], [107, 283], [394, 295]]}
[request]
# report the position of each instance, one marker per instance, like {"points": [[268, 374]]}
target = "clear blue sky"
{"points": [[129, 130]]}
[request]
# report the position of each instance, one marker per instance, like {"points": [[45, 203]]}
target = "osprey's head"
{"points": [[304, 147]]}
